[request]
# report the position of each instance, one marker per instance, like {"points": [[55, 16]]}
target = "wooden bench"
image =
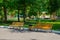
{"points": [[37, 26], [17, 25], [45, 26]]}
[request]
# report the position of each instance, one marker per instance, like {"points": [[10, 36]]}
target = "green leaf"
{"points": [[1, 1]]}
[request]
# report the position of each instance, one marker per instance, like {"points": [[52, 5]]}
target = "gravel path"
{"points": [[7, 34]]}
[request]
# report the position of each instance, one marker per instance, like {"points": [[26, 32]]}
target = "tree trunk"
{"points": [[38, 14], [5, 11], [53, 16], [5, 14], [18, 16], [24, 15], [24, 11]]}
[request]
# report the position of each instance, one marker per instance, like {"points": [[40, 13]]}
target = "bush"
{"points": [[56, 27]]}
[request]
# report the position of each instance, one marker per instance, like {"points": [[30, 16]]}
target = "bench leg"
{"points": [[22, 29], [49, 31]]}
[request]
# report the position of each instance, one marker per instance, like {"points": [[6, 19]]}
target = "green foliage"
{"points": [[56, 27], [34, 6], [1, 1], [53, 5]]}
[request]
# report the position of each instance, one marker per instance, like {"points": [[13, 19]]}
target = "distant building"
{"points": [[44, 16]]}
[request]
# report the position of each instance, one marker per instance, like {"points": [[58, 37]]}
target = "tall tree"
{"points": [[5, 10], [17, 3], [53, 7]]}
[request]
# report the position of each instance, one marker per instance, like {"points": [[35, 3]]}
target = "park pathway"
{"points": [[7, 34]]}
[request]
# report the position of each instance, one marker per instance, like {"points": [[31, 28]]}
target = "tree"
{"points": [[15, 5], [53, 7], [27, 3], [40, 6], [5, 10]]}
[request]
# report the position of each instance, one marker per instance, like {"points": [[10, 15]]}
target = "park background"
{"points": [[30, 12]]}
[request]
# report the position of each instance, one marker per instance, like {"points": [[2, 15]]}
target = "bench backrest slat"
{"points": [[18, 23], [43, 26]]}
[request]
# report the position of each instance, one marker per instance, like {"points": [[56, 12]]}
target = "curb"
{"points": [[53, 31]]}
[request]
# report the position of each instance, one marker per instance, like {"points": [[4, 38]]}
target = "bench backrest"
{"points": [[38, 26], [18, 23], [43, 26], [47, 26]]}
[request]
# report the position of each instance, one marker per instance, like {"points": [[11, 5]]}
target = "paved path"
{"points": [[7, 34]]}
